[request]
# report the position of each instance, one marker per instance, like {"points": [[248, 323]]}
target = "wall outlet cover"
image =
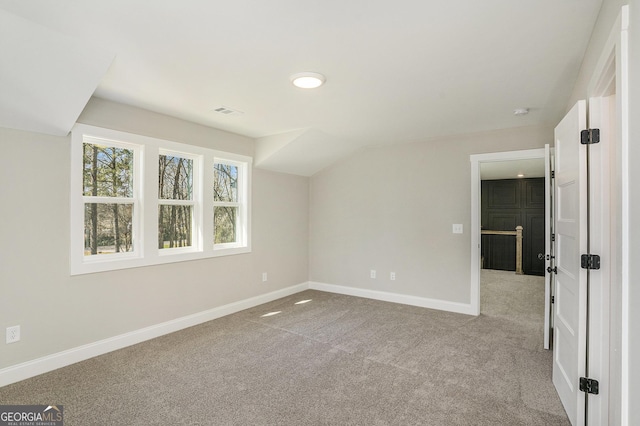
{"points": [[13, 334]]}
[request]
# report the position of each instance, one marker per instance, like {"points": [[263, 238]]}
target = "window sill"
{"points": [[90, 266]]}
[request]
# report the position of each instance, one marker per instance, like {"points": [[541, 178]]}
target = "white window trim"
{"points": [[242, 203], [146, 251], [195, 203]]}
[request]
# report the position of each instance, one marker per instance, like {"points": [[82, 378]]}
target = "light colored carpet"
{"points": [[337, 360]]}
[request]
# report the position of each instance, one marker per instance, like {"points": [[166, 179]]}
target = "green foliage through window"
{"points": [[139, 201], [224, 219], [107, 172], [108, 228]]}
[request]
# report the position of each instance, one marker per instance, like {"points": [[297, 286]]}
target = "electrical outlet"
{"points": [[392, 276], [457, 228], [264, 277], [373, 273], [13, 334]]}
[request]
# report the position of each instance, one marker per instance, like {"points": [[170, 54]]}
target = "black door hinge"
{"points": [[589, 385], [554, 269], [553, 237], [553, 299], [590, 261], [553, 174], [589, 136]]}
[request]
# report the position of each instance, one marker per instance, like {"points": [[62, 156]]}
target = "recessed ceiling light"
{"points": [[308, 80], [520, 175], [521, 111]]}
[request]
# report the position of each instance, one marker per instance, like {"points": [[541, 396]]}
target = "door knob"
{"points": [[541, 256]]}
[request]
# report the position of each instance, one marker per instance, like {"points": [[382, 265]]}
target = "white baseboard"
{"points": [[25, 370], [22, 371], [423, 302]]}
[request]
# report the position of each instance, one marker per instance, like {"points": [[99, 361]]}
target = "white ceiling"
{"points": [[46, 78], [396, 71]]}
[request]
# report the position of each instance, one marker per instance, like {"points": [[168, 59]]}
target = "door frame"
{"points": [[611, 71], [476, 161], [613, 61]]}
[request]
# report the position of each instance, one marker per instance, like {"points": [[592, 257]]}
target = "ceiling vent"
{"points": [[224, 110]]}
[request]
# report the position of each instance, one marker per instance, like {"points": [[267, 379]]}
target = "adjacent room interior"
{"points": [[513, 236], [265, 212]]}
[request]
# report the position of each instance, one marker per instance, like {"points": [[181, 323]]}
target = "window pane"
{"points": [[224, 222], [107, 228], [175, 180], [225, 185], [107, 171], [174, 226]]}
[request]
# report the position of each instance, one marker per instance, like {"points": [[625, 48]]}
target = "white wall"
{"points": [[59, 312], [391, 208]]}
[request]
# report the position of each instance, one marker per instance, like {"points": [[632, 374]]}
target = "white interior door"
{"points": [[570, 292], [548, 220]]}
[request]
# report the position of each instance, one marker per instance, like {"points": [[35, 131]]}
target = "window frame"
{"points": [[195, 202], [145, 221], [241, 203]]}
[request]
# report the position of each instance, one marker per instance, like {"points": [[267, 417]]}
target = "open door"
{"points": [[582, 228], [569, 317], [548, 246]]}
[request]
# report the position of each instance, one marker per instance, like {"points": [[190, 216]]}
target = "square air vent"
{"points": [[224, 110]]}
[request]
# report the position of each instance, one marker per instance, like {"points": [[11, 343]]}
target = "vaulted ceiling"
{"points": [[396, 71]]}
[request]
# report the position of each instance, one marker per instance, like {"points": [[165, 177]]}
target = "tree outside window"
{"points": [[226, 203], [108, 199], [175, 209], [140, 201]]}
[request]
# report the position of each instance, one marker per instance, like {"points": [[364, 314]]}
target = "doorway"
{"points": [[507, 161], [513, 216], [512, 200]]}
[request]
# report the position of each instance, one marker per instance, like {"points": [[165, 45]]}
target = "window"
{"points": [[176, 203], [138, 201], [228, 203], [108, 197]]}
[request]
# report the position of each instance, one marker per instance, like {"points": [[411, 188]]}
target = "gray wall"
{"points": [[391, 208], [58, 312]]}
